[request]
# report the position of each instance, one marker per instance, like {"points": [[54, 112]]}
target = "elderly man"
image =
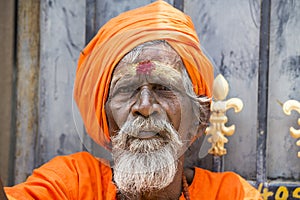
{"points": [[143, 88]]}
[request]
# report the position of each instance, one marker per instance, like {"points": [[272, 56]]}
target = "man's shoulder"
{"points": [[65, 177], [73, 158], [73, 167], [82, 155], [217, 177], [224, 183], [79, 161]]}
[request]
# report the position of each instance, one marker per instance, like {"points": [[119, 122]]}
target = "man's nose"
{"points": [[146, 104]]}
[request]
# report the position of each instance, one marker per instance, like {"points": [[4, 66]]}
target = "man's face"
{"points": [[150, 87], [149, 114]]}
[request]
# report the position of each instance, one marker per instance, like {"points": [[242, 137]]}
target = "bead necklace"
{"points": [[185, 187]]}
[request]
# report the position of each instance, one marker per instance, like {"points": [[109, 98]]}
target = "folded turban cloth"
{"points": [[156, 21]]}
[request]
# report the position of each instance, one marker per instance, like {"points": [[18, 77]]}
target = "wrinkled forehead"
{"points": [[155, 51]]}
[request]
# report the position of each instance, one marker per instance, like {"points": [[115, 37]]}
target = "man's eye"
{"points": [[124, 90], [161, 88]]}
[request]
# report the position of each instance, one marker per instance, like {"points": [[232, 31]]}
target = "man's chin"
{"points": [[139, 173]]}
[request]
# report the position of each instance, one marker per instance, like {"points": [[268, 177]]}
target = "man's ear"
{"points": [[204, 116]]}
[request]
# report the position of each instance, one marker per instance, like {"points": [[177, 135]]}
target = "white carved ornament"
{"points": [[218, 118], [287, 107]]}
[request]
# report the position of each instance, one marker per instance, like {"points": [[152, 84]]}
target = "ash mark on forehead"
{"points": [[145, 67]]}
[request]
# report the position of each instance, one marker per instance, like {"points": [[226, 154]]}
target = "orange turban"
{"points": [[156, 21]]}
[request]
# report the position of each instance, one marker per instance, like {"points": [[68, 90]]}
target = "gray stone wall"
{"points": [[51, 33]]}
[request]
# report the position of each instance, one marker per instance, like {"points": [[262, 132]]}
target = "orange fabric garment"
{"points": [[156, 21], [81, 176]]}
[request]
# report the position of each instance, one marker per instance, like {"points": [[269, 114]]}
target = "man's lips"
{"points": [[146, 134]]}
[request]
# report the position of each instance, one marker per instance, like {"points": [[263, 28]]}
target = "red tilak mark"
{"points": [[145, 67]]}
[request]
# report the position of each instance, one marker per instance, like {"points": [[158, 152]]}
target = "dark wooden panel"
{"points": [[229, 34], [26, 88], [107, 9], [7, 33], [62, 38], [284, 84], [263, 85]]}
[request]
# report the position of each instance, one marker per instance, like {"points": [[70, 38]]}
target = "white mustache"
{"points": [[131, 129]]}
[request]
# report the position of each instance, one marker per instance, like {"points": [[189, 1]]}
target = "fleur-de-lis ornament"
{"points": [[287, 107], [218, 118]]}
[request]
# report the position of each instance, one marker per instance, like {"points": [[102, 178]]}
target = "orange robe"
{"points": [[82, 176]]}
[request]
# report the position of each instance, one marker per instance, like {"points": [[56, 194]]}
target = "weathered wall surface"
{"points": [[27, 69], [51, 33], [62, 37], [7, 34], [284, 84], [229, 34]]}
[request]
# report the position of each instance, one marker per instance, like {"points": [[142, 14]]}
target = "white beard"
{"points": [[145, 165]]}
